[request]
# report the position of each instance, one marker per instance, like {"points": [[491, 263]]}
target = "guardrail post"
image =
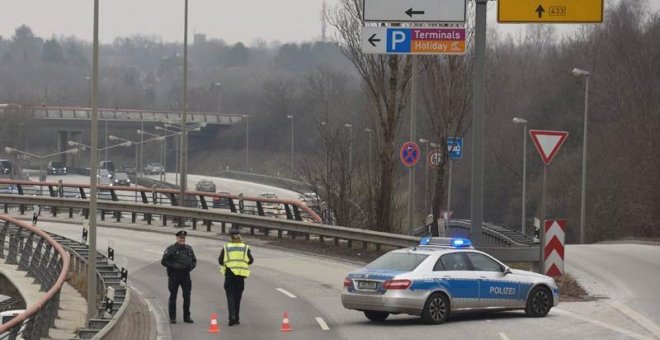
{"points": [[133, 217], [26, 254], [102, 215], [194, 224], [6, 208], [349, 243], [364, 244], [321, 239], [21, 209], [336, 241], [296, 213], [70, 212], [3, 235], [222, 227], [13, 247]]}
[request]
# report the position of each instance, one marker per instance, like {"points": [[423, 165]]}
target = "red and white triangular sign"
{"points": [[548, 142]]}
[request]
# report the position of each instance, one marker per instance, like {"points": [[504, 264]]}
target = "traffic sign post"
{"points": [[414, 11], [403, 40], [550, 11], [409, 154], [547, 143]]}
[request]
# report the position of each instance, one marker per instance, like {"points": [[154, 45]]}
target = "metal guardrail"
{"points": [[289, 209], [529, 254], [41, 257], [108, 275], [281, 182]]}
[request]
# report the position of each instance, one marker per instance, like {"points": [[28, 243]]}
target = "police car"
{"points": [[441, 276]]}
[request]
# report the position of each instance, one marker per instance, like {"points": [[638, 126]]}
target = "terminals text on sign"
{"points": [[387, 40]]}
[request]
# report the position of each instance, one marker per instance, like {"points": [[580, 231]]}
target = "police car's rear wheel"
{"points": [[436, 309], [376, 315], [539, 302]]}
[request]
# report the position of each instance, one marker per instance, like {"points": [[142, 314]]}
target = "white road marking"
{"points": [[324, 326], [286, 293], [160, 252], [637, 317], [600, 323], [503, 336]]}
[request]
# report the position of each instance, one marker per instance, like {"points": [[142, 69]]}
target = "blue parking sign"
{"points": [[398, 40], [455, 147]]}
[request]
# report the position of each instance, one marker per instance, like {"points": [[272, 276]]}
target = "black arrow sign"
{"points": [[410, 12], [540, 11], [373, 39]]}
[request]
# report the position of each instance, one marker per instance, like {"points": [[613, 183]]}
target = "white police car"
{"points": [[434, 280]]}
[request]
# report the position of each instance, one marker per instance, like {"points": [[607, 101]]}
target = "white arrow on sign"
{"points": [[548, 142]]}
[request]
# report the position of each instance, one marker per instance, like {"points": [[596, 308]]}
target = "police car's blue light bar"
{"points": [[445, 242], [461, 243]]}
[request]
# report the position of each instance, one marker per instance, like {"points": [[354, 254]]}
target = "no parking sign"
{"points": [[409, 154]]}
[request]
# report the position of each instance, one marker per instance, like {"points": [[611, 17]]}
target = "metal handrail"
{"points": [[51, 299], [166, 195]]}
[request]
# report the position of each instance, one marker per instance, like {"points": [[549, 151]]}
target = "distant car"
{"points": [[221, 202], [121, 179], [5, 167], [108, 165], [205, 185], [56, 168], [433, 281], [129, 169], [103, 176], [311, 200], [154, 169], [271, 209]]}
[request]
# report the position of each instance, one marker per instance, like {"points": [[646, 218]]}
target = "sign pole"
{"points": [[449, 186], [542, 228], [411, 170], [478, 85]]}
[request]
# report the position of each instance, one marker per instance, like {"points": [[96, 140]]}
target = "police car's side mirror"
{"points": [[507, 270]]}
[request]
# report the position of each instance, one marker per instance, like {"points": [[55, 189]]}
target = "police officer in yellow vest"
{"points": [[235, 260]]}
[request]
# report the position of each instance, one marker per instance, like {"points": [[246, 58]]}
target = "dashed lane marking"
{"points": [[324, 326], [283, 291], [503, 336]]}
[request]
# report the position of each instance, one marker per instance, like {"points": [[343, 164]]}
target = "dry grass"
{"points": [[570, 289]]}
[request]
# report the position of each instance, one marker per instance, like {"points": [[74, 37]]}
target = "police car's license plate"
{"points": [[367, 285]]}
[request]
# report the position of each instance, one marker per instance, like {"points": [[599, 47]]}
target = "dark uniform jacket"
{"points": [[179, 259]]}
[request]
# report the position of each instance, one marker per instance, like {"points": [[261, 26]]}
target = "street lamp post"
{"points": [[583, 74], [426, 174], [89, 91], [183, 158], [368, 131], [10, 150], [350, 147], [247, 142], [517, 120], [218, 99], [179, 176], [291, 117]]}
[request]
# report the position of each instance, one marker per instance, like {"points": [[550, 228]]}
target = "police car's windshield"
{"points": [[404, 262]]}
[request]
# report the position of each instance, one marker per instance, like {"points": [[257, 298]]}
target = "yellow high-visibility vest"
{"points": [[236, 258]]}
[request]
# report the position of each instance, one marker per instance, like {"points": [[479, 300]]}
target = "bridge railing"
{"points": [[41, 257], [292, 227], [279, 208]]}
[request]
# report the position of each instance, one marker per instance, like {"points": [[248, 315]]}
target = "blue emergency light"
{"points": [[461, 243]]}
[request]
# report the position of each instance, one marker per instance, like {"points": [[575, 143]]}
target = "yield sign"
{"points": [[548, 143]]}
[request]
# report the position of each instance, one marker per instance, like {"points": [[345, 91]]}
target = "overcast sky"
{"points": [[232, 21]]}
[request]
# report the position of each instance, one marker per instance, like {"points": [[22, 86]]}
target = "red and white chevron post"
{"points": [[555, 231]]}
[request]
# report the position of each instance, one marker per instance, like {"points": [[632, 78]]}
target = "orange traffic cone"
{"points": [[285, 323], [214, 328]]}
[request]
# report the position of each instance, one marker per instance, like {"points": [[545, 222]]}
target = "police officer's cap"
{"points": [[234, 231], [181, 233]]}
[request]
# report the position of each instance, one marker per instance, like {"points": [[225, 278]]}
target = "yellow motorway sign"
{"points": [[550, 11]]}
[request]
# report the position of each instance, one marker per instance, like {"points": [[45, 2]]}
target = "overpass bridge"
{"points": [[69, 123]]}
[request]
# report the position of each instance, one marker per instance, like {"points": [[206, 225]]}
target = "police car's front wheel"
{"points": [[539, 302], [436, 309], [376, 315]]}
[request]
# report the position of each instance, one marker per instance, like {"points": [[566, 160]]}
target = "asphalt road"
{"points": [[624, 275], [627, 276]]}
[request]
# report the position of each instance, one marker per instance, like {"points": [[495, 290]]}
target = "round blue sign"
{"points": [[409, 154]]}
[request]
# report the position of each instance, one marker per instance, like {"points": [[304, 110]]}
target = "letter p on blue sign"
{"points": [[398, 40]]}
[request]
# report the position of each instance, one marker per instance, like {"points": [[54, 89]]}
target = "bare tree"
{"points": [[386, 81]]}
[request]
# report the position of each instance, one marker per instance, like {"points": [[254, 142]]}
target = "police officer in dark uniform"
{"points": [[235, 260], [180, 260]]}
